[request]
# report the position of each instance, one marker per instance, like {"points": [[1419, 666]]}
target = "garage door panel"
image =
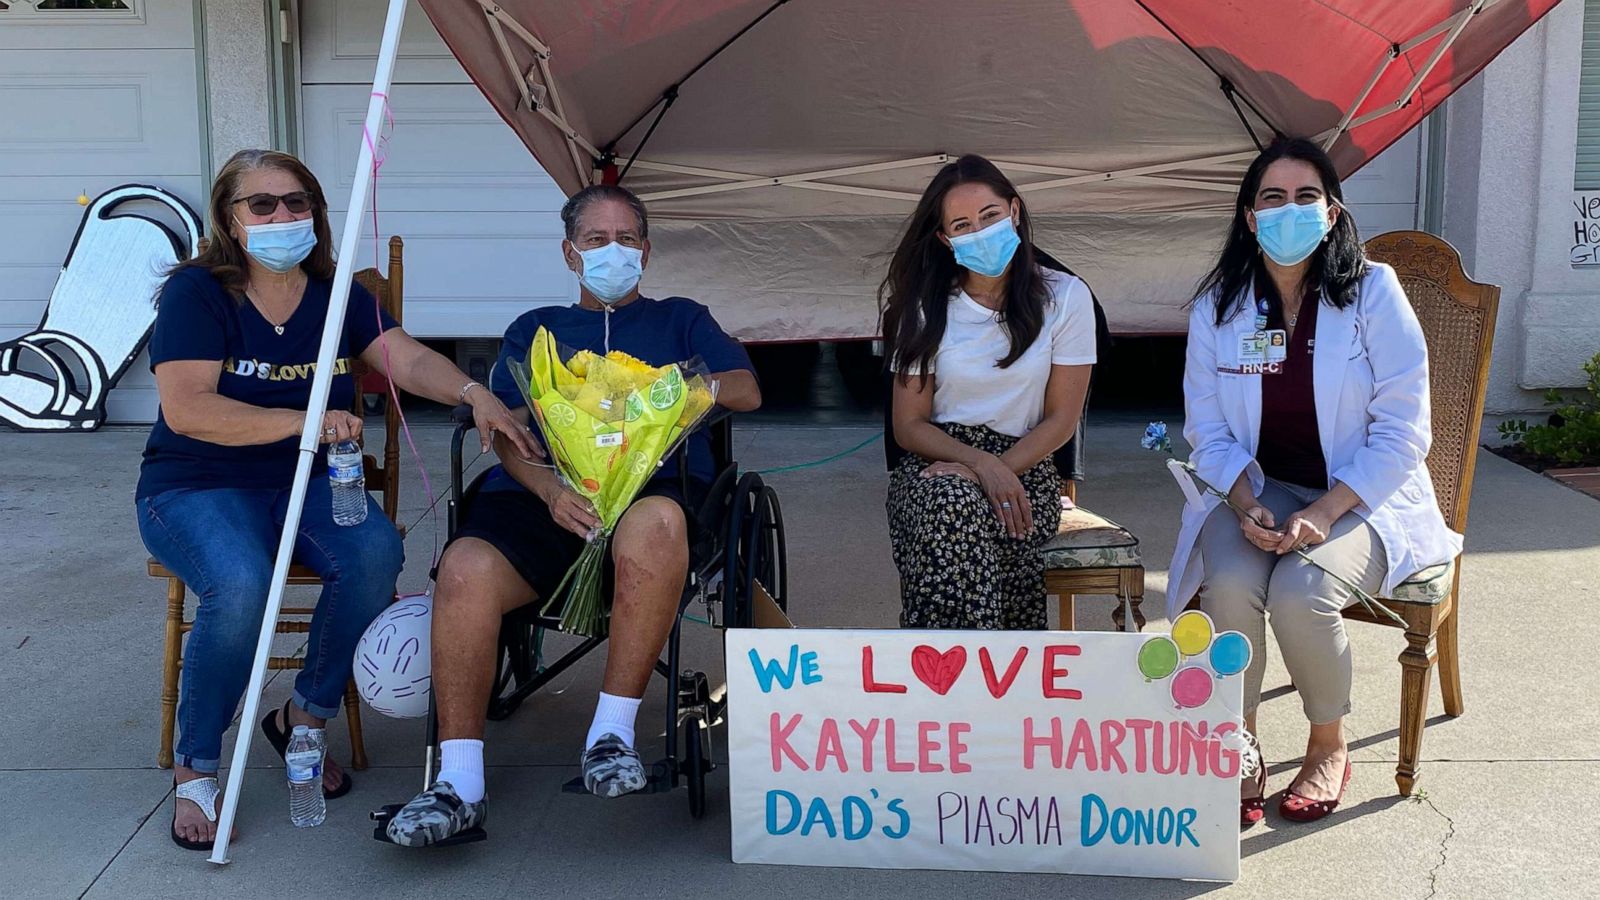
{"points": [[1383, 195], [480, 218], [126, 112], [339, 44], [470, 282], [152, 24], [40, 216], [448, 151]]}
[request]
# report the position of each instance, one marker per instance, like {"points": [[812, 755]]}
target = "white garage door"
{"points": [[1384, 193], [479, 216], [90, 98]]}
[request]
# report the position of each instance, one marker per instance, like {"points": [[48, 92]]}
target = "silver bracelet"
{"points": [[462, 398]]}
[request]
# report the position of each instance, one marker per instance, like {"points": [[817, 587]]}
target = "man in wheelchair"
{"points": [[524, 529]]}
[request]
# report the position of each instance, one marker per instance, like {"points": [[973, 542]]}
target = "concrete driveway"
{"points": [[1510, 788]]}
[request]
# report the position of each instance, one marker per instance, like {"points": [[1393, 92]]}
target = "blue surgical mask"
{"points": [[611, 272], [280, 246], [989, 251], [1290, 233]]}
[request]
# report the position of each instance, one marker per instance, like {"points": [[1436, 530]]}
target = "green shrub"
{"points": [[1572, 434]]}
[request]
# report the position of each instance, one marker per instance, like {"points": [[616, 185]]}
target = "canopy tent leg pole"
{"points": [[310, 430]]}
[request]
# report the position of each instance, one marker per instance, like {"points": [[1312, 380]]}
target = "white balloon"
{"points": [[393, 668]]}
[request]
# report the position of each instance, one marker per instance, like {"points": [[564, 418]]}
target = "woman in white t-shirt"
{"points": [[992, 356]]}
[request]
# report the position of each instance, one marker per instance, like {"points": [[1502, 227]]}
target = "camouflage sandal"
{"points": [[434, 816], [612, 768]]}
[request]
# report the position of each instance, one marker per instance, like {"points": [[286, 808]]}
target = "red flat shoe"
{"points": [[1297, 808], [1253, 809]]}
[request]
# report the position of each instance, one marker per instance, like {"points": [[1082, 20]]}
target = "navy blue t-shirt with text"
{"points": [[199, 320], [656, 331]]}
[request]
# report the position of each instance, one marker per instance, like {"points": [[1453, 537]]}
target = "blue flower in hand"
{"points": [[1155, 437]]}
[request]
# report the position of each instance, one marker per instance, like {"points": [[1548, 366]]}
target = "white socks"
{"points": [[461, 761], [461, 764], [613, 715]]}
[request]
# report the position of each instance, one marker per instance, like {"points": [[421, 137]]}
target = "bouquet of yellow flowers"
{"points": [[608, 421]]}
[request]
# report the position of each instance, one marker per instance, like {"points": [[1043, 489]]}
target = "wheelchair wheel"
{"points": [[773, 571], [745, 550], [694, 764]]}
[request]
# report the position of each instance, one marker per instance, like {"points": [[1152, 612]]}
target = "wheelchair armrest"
{"points": [[462, 415]]}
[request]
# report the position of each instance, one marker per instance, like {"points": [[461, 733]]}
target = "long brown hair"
{"points": [[914, 298], [222, 256]]}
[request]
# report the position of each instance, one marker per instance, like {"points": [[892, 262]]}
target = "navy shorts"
{"points": [[519, 525]]}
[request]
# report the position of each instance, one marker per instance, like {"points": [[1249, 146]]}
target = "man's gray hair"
{"points": [[595, 193]]}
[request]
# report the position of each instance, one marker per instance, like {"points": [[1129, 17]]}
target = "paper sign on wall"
{"points": [[1090, 753]]}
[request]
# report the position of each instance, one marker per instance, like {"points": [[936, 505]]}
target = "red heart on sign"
{"points": [[938, 670]]}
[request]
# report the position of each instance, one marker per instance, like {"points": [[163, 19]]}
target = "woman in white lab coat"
{"points": [[1306, 399]]}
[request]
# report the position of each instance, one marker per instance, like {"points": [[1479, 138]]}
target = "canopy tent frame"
{"points": [[499, 20], [735, 181], [1451, 27], [528, 88]]}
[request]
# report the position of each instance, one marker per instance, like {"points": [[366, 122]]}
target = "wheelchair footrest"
{"points": [[380, 831], [659, 781]]}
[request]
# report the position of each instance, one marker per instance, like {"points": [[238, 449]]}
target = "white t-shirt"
{"points": [[969, 389]]}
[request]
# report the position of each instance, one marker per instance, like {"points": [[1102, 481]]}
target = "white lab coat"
{"points": [[1370, 373]]}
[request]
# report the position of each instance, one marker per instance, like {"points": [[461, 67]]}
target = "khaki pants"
{"points": [[1244, 585]]}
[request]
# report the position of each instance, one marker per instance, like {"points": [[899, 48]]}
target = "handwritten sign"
{"points": [[1001, 751], [1585, 230]]}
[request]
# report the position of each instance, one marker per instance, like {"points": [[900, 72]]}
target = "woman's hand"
{"points": [[1306, 528], [570, 510], [951, 468], [1006, 495], [492, 418], [1257, 524], [338, 425]]}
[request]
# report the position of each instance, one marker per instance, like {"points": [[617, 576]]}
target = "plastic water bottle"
{"points": [[349, 483], [304, 760]]}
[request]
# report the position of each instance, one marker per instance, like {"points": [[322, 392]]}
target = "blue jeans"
{"points": [[222, 542]]}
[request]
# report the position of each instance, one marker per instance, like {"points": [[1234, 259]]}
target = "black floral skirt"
{"points": [[959, 568]]}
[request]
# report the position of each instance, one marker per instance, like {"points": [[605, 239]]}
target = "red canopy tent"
{"points": [[780, 144]]}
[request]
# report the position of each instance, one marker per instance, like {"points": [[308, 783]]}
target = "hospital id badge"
{"points": [[1277, 348], [1253, 348]]}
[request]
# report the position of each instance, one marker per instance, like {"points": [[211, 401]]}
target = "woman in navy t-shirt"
{"points": [[234, 353]]}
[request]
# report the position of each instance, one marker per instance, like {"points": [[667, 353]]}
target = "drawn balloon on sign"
{"points": [[1191, 660]]}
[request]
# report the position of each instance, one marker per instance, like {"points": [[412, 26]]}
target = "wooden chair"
{"points": [[1091, 554], [1458, 319], [384, 479]]}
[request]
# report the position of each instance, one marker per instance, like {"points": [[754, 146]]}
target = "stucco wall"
{"points": [[238, 76], [1511, 209]]}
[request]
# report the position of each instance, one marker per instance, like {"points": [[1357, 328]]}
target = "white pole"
{"points": [[309, 432]]}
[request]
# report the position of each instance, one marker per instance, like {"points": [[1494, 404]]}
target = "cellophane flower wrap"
{"points": [[608, 422]]}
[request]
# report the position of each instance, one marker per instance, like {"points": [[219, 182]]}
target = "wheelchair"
{"points": [[737, 550]]}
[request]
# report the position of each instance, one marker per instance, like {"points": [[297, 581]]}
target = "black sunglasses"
{"points": [[267, 204]]}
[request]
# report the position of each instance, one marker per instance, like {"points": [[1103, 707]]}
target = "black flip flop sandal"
{"points": [[202, 792], [279, 739]]}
